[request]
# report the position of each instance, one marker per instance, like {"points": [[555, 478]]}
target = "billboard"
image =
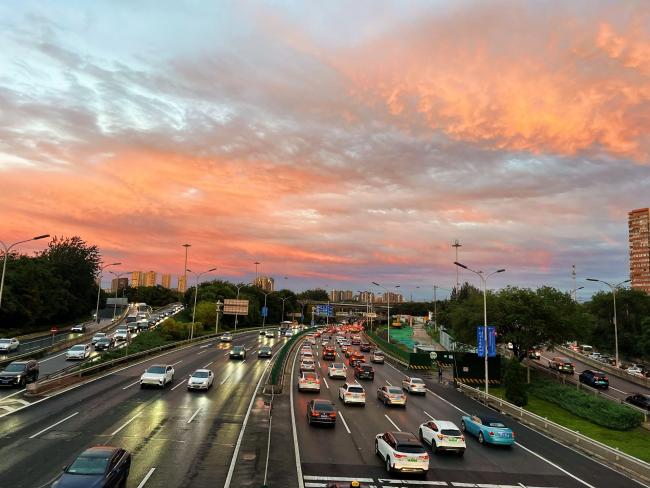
{"points": [[492, 341], [123, 302], [235, 307], [325, 310]]}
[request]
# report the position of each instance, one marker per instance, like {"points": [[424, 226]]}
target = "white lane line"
{"points": [[243, 361], [174, 364], [201, 352], [620, 391], [233, 462], [345, 424], [13, 394], [394, 424], [325, 381], [194, 415], [388, 383], [53, 425], [225, 379], [131, 384], [52, 357], [428, 415], [319, 364], [204, 346], [173, 388], [296, 449], [226, 355], [207, 365], [400, 372], [146, 478], [126, 423]]}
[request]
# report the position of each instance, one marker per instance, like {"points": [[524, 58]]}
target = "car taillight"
{"points": [[315, 414], [513, 435], [491, 433], [399, 456], [425, 457], [462, 438], [318, 382], [333, 414]]}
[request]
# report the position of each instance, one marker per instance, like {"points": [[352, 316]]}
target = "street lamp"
{"points": [[283, 300], [99, 286], [219, 305], [6, 255], [196, 292], [484, 279], [388, 295], [613, 288], [435, 304], [265, 309], [117, 287]]}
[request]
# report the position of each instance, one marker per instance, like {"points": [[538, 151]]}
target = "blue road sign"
{"points": [[492, 341], [327, 310], [265, 311]]}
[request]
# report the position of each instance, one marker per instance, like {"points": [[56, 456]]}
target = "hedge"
{"points": [[278, 364], [390, 348], [597, 410]]}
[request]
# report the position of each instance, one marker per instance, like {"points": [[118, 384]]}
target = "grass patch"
{"points": [[635, 442], [394, 349]]}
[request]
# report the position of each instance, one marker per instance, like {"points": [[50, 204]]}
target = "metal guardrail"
{"points": [[633, 466], [277, 387]]}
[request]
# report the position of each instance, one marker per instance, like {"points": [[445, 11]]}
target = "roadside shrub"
{"points": [[170, 329], [514, 381], [597, 410]]}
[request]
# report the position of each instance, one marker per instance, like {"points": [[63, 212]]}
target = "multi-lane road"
{"points": [[177, 438], [347, 451]]}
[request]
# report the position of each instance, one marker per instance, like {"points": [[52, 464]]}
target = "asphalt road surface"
{"points": [[347, 451], [177, 438]]}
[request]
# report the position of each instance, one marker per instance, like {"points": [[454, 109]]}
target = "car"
{"points": [[337, 370], [262, 332], [320, 411], [356, 357], [80, 351], [488, 430], [329, 353], [347, 351], [288, 333], [442, 435], [157, 375], [391, 395], [307, 364], [595, 356], [595, 379], [641, 400], [9, 345], [634, 370], [365, 347], [104, 466], [352, 393], [356, 340], [238, 352], [133, 328], [265, 352], [308, 381], [201, 379], [534, 354], [78, 328], [122, 334], [311, 339], [562, 365], [402, 451], [269, 333], [414, 385], [97, 337], [104, 344], [227, 337], [19, 373], [364, 371], [377, 357], [306, 354]]}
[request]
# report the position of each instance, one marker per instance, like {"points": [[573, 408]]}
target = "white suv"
{"points": [[337, 370], [443, 435], [352, 393], [157, 375], [401, 451]]}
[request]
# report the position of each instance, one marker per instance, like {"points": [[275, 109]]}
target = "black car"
{"points": [[321, 411], [641, 400], [265, 352], [238, 352], [104, 344], [595, 379], [19, 373], [103, 466], [365, 347], [364, 371]]}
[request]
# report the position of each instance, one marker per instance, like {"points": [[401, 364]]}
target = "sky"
{"points": [[336, 143]]}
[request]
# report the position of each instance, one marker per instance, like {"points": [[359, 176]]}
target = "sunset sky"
{"points": [[337, 143]]}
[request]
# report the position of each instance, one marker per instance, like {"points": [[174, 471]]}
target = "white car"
{"points": [[402, 451], [122, 334], [337, 370], [96, 337], [307, 364], [634, 370], [201, 379], [157, 375], [226, 337], [308, 381], [443, 435], [80, 351], [306, 355], [78, 328], [352, 393], [414, 385], [9, 345], [269, 334]]}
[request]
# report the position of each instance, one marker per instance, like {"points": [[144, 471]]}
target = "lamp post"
{"points": [[388, 296], [117, 287], [219, 305], [241, 285], [613, 288], [283, 300], [99, 286], [196, 292], [266, 309], [484, 279], [6, 255], [435, 304], [185, 267], [575, 293]]}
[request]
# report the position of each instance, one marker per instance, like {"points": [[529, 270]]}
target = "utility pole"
{"points": [[573, 276], [457, 244], [185, 267]]}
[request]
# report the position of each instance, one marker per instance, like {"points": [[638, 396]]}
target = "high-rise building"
{"points": [[639, 237], [150, 278], [119, 284], [264, 282], [366, 296], [341, 296], [137, 279], [182, 284], [166, 280], [394, 297]]}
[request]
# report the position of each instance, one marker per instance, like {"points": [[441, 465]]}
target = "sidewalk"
{"points": [[420, 336]]}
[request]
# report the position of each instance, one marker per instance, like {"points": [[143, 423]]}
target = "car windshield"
{"points": [[100, 334], [355, 389], [265, 349], [309, 376], [156, 369], [410, 449], [104, 340], [89, 465], [238, 348], [393, 390], [417, 381], [498, 425], [77, 348], [323, 407], [14, 368], [5, 341], [201, 374], [337, 365], [451, 432]]}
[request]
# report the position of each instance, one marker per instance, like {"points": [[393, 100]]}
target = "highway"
{"points": [[177, 438], [347, 451]]}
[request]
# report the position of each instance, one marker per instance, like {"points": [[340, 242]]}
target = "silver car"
{"points": [[9, 345]]}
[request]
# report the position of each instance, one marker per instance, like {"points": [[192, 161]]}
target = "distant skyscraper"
{"points": [[119, 284], [137, 279], [266, 283], [182, 284], [639, 238], [150, 278], [166, 280], [341, 296]]}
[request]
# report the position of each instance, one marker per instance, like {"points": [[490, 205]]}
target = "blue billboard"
{"points": [[492, 341]]}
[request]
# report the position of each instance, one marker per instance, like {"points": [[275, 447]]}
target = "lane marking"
{"points": [[428, 415], [620, 391], [174, 364], [225, 379], [179, 384], [345, 424], [204, 346], [231, 470], [328, 386], [294, 430], [194, 415], [201, 352], [53, 425], [13, 394], [52, 357], [207, 365], [394, 424], [131, 384], [146, 478], [388, 383], [126, 423], [226, 355]]}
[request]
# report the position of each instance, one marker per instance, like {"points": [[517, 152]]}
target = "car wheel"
{"points": [[388, 468], [462, 426], [23, 382], [481, 439]]}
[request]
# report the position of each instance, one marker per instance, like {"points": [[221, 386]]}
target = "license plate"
{"points": [[412, 460], [452, 439], [324, 415], [504, 434]]}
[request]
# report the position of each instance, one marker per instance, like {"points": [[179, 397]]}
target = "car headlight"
{"points": [[19, 377]]}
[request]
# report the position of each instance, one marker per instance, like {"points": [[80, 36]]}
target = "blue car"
{"points": [[488, 430], [97, 467]]}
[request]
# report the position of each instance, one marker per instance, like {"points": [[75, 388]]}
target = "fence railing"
{"points": [[634, 466]]}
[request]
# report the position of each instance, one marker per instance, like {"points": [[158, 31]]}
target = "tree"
{"points": [[514, 381]]}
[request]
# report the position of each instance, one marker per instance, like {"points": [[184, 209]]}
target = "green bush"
{"points": [[514, 380], [172, 330], [277, 368], [597, 410]]}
